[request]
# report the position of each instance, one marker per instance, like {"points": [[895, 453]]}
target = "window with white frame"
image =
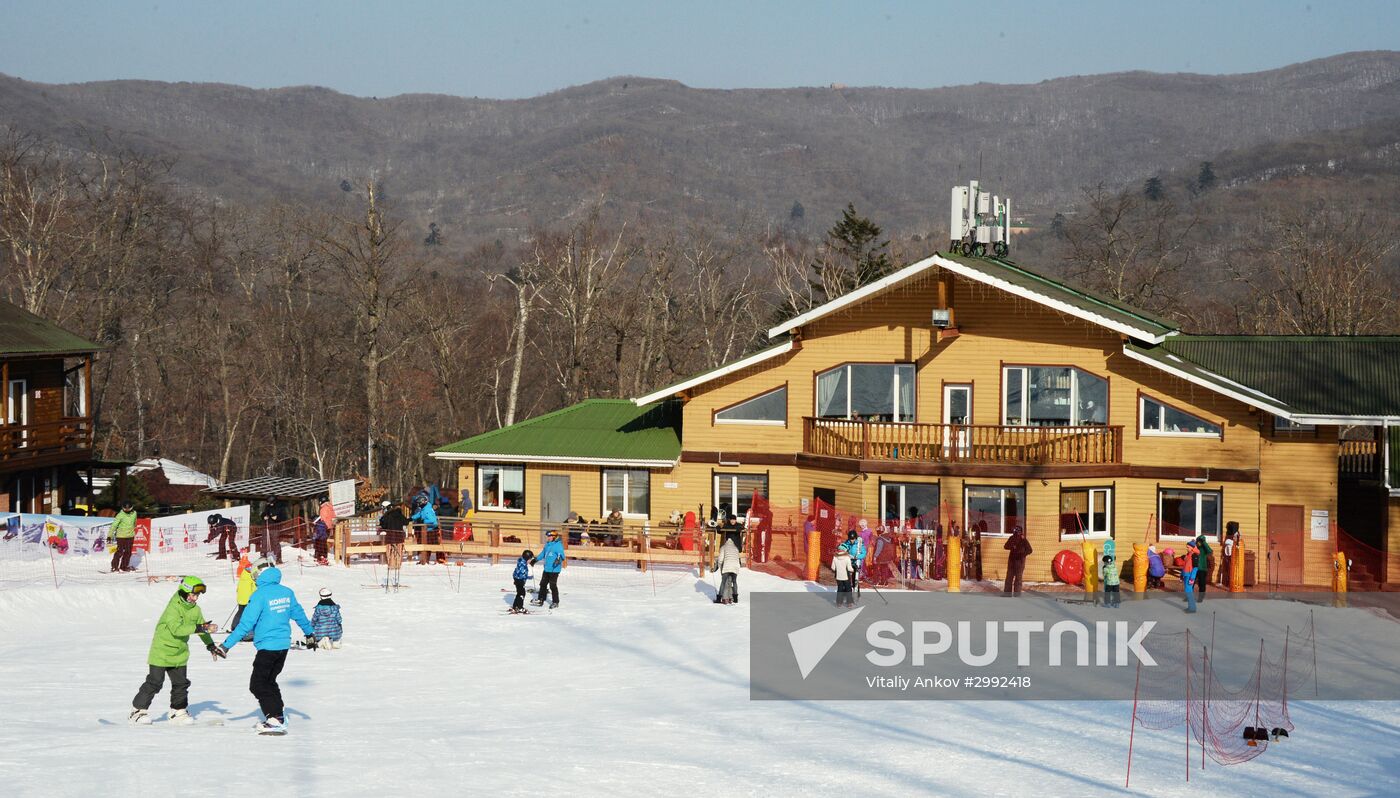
{"points": [[993, 509], [909, 504], [1053, 396], [867, 391], [501, 488], [627, 490], [1282, 424], [765, 409], [1188, 513], [1159, 418], [735, 492], [1086, 511]]}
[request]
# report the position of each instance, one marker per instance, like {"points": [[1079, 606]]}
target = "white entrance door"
{"points": [[957, 410], [17, 410]]}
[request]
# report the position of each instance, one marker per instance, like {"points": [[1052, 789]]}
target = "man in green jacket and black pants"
{"points": [[170, 652], [124, 531]]}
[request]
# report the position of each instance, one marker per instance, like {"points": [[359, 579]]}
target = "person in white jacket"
{"points": [[844, 567], [729, 564]]}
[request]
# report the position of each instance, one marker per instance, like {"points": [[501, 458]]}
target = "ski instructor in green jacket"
{"points": [[170, 652]]}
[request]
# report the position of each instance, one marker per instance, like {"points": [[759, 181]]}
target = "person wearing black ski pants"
{"points": [[549, 580], [263, 683]]}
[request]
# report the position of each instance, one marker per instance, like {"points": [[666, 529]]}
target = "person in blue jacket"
{"points": [[521, 573], [553, 557], [426, 517], [269, 616]]}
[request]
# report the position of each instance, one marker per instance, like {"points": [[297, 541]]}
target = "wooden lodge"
{"points": [[46, 435], [976, 392]]}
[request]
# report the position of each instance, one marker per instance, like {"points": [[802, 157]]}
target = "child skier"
{"points": [[1111, 595], [521, 573], [1188, 576], [269, 615], [170, 653], [325, 621], [844, 569], [1155, 568]]}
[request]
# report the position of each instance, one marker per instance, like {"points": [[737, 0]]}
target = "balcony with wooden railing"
{"points": [[962, 443], [1359, 459], [47, 443]]}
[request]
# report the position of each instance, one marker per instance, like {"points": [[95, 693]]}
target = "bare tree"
{"points": [[1322, 271], [1131, 249]]}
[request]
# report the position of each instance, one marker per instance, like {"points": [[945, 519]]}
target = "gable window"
{"points": [[867, 392], [913, 505], [1086, 511], [765, 409], [74, 393], [1053, 396], [1160, 418], [627, 490], [734, 492], [1282, 424], [501, 488], [994, 510], [1188, 513]]}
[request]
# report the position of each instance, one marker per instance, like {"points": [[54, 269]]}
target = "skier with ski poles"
{"points": [[124, 534], [170, 653], [855, 544], [553, 557], [269, 617]]}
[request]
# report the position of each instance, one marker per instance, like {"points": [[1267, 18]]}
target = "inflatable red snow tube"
{"points": [[1068, 567]]}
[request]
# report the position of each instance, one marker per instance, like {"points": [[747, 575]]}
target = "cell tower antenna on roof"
{"points": [[979, 221]]}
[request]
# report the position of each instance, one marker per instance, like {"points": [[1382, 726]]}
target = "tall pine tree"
{"points": [[853, 255]]}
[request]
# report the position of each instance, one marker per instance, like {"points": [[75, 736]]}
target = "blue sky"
{"points": [[508, 49]]}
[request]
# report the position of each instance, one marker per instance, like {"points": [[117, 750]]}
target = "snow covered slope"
{"points": [[620, 692]]}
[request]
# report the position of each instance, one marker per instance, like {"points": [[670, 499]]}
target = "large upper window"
{"points": [[1053, 396], [734, 492], [627, 490], [767, 408], [1086, 511], [994, 510], [74, 393], [1159, 418], [1188, 513], [867, 391], [909, 504], [501, 487]]}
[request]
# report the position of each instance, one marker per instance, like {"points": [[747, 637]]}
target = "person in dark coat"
{"points": [[391, 526], [1020, 549]]}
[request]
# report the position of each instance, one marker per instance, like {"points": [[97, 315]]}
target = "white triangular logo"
{"points": [[811, 643]]}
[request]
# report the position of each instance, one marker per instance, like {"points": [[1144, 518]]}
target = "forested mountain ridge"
{"points": [[485, 169]]}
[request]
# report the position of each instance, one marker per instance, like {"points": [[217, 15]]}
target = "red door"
{"points": [[1285, 545]]}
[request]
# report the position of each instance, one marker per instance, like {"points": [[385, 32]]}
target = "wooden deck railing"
{"points": [[497, 540], [962, 443], [32, 441], [1359, 459]]}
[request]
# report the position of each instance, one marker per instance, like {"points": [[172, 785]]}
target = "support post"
{"points": [[495, 539], [954, 563]]}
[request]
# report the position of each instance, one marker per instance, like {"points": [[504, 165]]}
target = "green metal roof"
{"points": [[1081, 298], [1304, 374], [23, 333], [594, 429]]}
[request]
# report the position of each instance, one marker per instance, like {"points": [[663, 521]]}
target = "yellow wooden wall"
{"points": [[585, 492]]}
